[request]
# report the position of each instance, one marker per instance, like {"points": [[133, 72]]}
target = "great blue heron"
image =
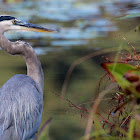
{"points": [[21, 97]]}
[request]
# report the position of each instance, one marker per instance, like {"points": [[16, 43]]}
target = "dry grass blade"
{"points": [[94, 112], [79, 61]]}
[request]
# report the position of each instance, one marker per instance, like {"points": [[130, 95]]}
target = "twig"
{"points": [[43, 128], [134, 51], [93, 101]]}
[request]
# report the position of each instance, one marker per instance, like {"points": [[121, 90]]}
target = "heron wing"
{"points": [[20, 108]]}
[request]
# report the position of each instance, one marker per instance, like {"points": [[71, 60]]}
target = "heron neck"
{"points": [[34, 69]]}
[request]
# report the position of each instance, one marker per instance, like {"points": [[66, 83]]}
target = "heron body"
{"points": [[21, 97]]}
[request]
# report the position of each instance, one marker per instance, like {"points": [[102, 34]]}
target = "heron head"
{"points": [[11, 23]]}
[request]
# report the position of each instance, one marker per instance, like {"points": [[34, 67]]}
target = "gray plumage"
{"points": [[21, 97], [20, 108]]}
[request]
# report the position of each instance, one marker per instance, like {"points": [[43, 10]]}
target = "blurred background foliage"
{"points": [[83, 27]]}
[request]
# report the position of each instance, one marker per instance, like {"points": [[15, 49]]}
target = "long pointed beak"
{"points": [[33, 27]]}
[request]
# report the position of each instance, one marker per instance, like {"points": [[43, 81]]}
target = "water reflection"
{"points": [[74, 19]]}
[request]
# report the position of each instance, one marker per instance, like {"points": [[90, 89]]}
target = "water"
{"points": [[82, 27]]}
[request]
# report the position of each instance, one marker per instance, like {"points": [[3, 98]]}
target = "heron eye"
{"points": [[14, 21]]}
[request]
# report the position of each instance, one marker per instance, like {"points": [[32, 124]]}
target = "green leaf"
{"points": [[131, 129], [118, 70], [129, 16]]}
